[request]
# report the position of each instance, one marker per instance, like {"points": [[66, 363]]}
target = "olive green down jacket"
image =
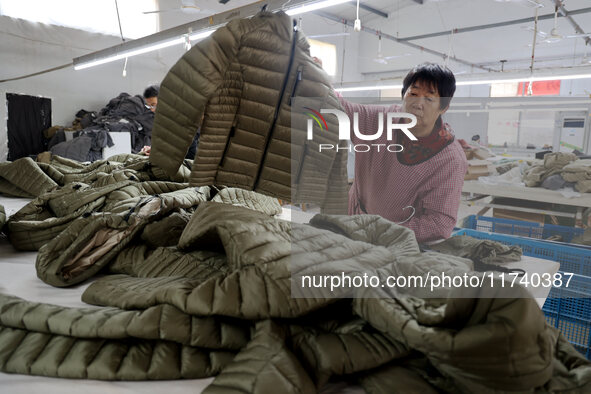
{"points": [[242, 81], [218, 300]]}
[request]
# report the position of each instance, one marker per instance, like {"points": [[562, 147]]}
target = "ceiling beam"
{"points": [[370, 9], [492, 25], [406, 43], [539, 60]]}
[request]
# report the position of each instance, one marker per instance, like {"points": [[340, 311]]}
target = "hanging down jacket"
{"points": [[242, 81]]}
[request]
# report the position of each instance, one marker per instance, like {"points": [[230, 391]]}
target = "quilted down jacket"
{"points": [[96, 187], [220, 304], [242, 82]]}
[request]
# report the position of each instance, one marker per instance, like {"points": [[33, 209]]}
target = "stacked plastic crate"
{"points": [[567, 307]]}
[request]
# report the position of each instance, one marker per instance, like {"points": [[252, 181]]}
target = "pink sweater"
{"points": [[385, 186]]}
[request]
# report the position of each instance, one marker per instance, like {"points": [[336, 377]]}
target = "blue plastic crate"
{"points": [[571, 259], [566, 308], [521, 228]]}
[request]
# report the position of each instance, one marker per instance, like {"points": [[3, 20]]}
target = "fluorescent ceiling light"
{"points": [[315, 6], [475, 82], [368, 88], [134, 52], [524, 79], [146, 49], [198, 36]]}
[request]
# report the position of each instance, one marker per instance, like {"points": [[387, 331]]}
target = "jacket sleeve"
{"points": [[185, 91], [440, 204], [366, 112]]}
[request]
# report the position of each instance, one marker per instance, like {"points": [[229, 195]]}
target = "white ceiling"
{"points": [[408, 18]]}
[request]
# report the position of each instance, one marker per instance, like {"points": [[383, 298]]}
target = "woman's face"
{"points": [[422, 100]]}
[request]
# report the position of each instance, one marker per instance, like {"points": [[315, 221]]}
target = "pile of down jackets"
{"points": [[200, 282], [241, 85]]}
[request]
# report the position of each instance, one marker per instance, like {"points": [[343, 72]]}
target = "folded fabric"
{"points": [[506, 167], [533, 175], [584, 186], [558, 159], [555, 182], [577, 171], [486, 251]]}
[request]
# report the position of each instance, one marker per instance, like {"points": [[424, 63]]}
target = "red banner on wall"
{"points": [[540, 88]]}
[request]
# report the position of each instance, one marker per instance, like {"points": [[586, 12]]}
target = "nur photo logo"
{"points": [[392, 123]]}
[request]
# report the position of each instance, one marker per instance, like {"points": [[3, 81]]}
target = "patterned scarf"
{"points": [[416, 152]]}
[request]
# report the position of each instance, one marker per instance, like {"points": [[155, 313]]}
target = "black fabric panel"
{"points": [[28, 116]]}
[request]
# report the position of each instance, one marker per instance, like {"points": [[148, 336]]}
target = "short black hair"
{"points": [[435, 75], [151, 91]]}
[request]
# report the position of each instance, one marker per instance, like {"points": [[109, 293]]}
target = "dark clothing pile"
{"points": [[123, 113], [127, 113]]}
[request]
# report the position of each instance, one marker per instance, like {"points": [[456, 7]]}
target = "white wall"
{"points": [[313, 24], [27, 47]]}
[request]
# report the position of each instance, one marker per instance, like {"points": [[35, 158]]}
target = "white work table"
{"points": [[526, 193]]}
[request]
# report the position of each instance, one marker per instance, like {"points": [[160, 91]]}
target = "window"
{"points": [[90, 15], [325, 52], [503, 89]]}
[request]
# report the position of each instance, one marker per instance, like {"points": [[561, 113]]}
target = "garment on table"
{"points": [[130, 114], [536, 174], [583, 186], [87, 144], [558, 159], [385, 186], [555, 182], [76, 149], [554, 163], [475, 249], [220, 302], [506, 167], [579, 172], [123, 113], [100, 140]]}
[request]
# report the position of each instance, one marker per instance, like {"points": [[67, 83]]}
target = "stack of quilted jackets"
{"points": [[200, 282]]}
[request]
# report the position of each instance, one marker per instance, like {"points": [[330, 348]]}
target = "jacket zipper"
{"points": [[230, 136], [295, 85], [301, 164], [277, 107]]}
